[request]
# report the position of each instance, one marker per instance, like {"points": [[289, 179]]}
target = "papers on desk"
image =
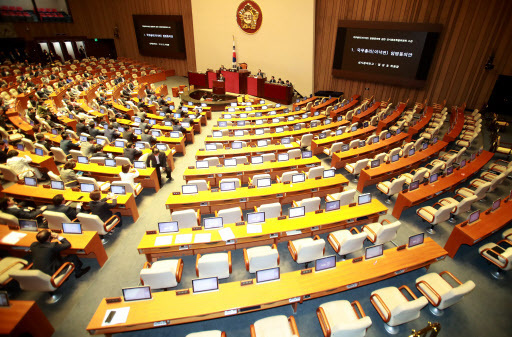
{"points": [[295, 232], [203, 237], [226, 234], [183, 238], [163, 240], [288, 145], [254, 229], [13, 237], [120, 315]]}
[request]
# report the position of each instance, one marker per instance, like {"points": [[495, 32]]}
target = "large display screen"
{"points": [[393, 53], [160, 35]]}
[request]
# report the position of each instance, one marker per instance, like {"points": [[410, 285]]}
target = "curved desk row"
{"points": [[250, 150], [391, 119], [318, 145], [268, 124], [455, 126], [342, 110]]}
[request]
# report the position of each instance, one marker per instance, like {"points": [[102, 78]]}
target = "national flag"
{"points": [[234, 53]]}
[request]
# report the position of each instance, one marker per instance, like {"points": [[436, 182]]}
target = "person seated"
{"points": [[280, 81], [98, 151], [68, 174], [111, 133], [102, 208], [272, 80], [146, 137], [87, 147], [66, 144], [60, 205], [128, 174], [41, 140], [131, 152], [288, 83], [20, 166], [8, 205], [81, 127], [93, 131], [128, 134]]}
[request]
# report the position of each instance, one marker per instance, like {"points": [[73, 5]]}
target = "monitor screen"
{"points": [[462, 163], [20, 147], [324, 263], [211, 147], [398, 131], [373, 251], [375, 163], [282, 157], [264, 182], [322, 135], [239, 133], [394, 158], [297, 127], [202, 164], [223, 124], [55, 132], [433, 178], [298, 178], [415, 240], [217, 133], [328, 121], [153, 121], [227, 186], [414, 185], [411, 152], [205, 284], [83, 160], [474, 216], [140, 146], [307, 154], [262, 142], [136, 294], [39, 152], [375, 139], [473, 156], [424, 145], [57, 184], [353, 128], [233, 104], [120, 129], [156, 133], [189, 189], [86, 187], [100, 141], [30, 181], [434, 140], [119, 143], [259, 131], [243, 115], [213, 223], [329, 173], [248, 109], [332, 205], [116, 189], [364, 199], [4, 299], [176, 115], [286, 140], [168, 227], [290, 118], [388, 135], [139, 164], [162, 147], [257, 160], [256, 217], [259, 121], [279, 129], [275, 120], [72, 227], [230, 162], [110, 162], [339, 132], [28, 225], [449, 170], [137, 119], [365, 124], [240, 123], [294, 212], [344, 147], [267, 275], [362, 143], [496, 204]]}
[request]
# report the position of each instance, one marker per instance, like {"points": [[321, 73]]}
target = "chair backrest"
{"points": [[407, 147], [394, 151], [228, 180], [241, 160], [407, 311], [306, 139], [442, 214], [268, 157], [387, 232], [294, 154], [455, 294], [213, 161], [336, 147], [420, 174], [353, 144], [8, 173], [42, 147], [258, 177], [33, 280], [91, 222], [310, 204], [482, 190], [262, 259], [89, 180], [55, 219], [396, 185], [352, 242], [360, 164], [287, 176], [418, 142], [316, 172], [230, 215], [75, 153], [97, 160], [120, 161], [58, 154], [345, 197], [271, 210], [28, 144], [310, 250], [186, 218], [8, 219], [380, 157], [201, 184]]}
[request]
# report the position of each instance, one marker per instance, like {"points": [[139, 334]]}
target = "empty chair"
{"points": [[440, 293], [275, 326], [310, 204], [499, 254], [240, 160], [120, 161], [10, 264], [229, 180], [418, 174], [255, 178], [394, 308], [346, 241], [162, 274], [436, 168], [268, 157], [262, 257], [287, 176], [380, 233], [212, 161], [340, 319], [230, 215], [55, 219], [406, 148], [314, 172], [271, 210], [345, 197], [307, 249], [459, 207], [210, 333], [28, 144], [187, 218], [202, 185], [213, 265], [452, 153], [357, 167], [391, 153], [435, 215], [135, 189], [336, 147], [479, 191], [354, 144], [495, 181], [500, 166], [392, 187], [294, 154], [93, 223], [8, 219], [98, 185], [97, 160], [418, 143], [305, 141]]}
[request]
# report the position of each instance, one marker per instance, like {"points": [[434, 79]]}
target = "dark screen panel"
{"points": [[160, 35]]}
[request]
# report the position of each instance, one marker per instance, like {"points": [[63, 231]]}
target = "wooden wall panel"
{"points": [[472, 31]]}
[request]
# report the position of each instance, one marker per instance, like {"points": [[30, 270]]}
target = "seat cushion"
{"points": [[384, 186], [211, 333], [375, 227], [424, 212], [350, 168], [162, 274], [8, 264], [274, 326], [342, 318]]}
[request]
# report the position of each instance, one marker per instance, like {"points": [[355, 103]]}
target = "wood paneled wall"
{"points": [[472, 31], [97, 19]]}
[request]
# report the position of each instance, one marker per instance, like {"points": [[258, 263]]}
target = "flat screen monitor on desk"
{"points": [[236, 145], [140, 145], [373, 252], [202, 285], [233, 104], [394, 158], [213, 223], [230, 162], [217, 134], [100, 141], [322, 135], [262, 143], [297, 127], [156, 133], [295, 212], [243, 115], [307, 154], [375, 140], [329, 173], [339, 132], [364, 199], [259, 132], [168, 227], [257, 160], [259, 114], [20, 147], [496, 204], [325, 263], [110, 162], [388, 135], [136, 294], [227, 186], [39, 152], [139, 164], [275, 120], [375, 163], [283, 157], [4, 299], [411, 152], [286, 140], [255, 217], [189, 189], [332, 205], [433, 178], [279, 129], [30, 181], [298, 178], [240, 123], [475, 216], [202, 164], [434, 140], [449, 170], [239, 133], [290, 118], [267, 275], [424, 145], [137, 131], [120, 129], [415, 240], [116, 189], [259, 121], [473, 156], [28, 225], [353, 128], [264, 182], [118, 143], [176, 115], [344, 147], [362, 143], [223, 124], [153, 121], [462, 163], [414, 185], [57, 185], [71, 228], [55, 132], [83, 160]]}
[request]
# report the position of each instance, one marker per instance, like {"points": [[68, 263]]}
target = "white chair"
{"points": [[391, 153], [28, 144], [240, 160], [418, 174], [419, 143], [93, 223], [262, 257], [97, 160], [254, 180], [8, 219], [212, 161], [287, 176], [10, 264], [213, 265], [315, 172], [345, 242], [380, 233], [55, 219], [135, 189], [42, 147], [305, 141], [436, 168], [495, 181], [440, 293], [434, 215], [395, 308], [268, 157], [210, 333], [307, 249], [271, 210], [275, 326], [230, 215], [345, 197], [75, 154], [202, 185], [98, 185], [499, 254], [354, 144], [340, 319], [310, 204], [229, 180], [162, 274], [10, 175], [392, 187], [406, 148], [357, 167], [336, 147], [58, 154], [187, 218], [479, 191], [459, 207], [294, 154], [120, 161]]}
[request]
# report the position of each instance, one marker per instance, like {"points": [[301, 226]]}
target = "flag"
{"points": [[234, 53]]}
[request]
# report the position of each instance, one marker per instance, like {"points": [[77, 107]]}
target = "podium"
{"points": [[255, 86], [278, 93], [211, 76], [219, 87], [236, 81]]}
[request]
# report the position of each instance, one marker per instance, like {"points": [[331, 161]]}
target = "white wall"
{"points": [[283, 47]]}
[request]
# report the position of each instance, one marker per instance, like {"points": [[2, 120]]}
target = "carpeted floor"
{"points": [[481, 313]]}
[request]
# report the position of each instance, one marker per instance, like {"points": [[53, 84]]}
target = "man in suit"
{"points": [[260, 73], [46, 254], [131, 152], [8, 205], [66, 144], [102, 208], [59, 205], [143, 125], [128, 135], [114, 123], [40, 140], [111, 133], [167, 118], [272, 80], [93, 131], [80, 127], [146, 137], [158, 160]]}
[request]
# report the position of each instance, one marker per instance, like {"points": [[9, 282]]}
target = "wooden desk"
{"points": [[340, 159], [292, 288], [215, 174], [40, 161], [386, 171], [279, 93], [318, 145], [147, 177], [265, 115], [324, 105], [246, 198], [125, 203], [23, 317], [285, 124], [421, 123], [342, 110], [487, 224], [188, 134], [455, 129], [305, 102], [118, 151], [444, 184], [246, 151], [365, 115], [391, 119], [273, 231], [88, 244]]}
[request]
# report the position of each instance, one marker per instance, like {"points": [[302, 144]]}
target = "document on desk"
{"points": [[226, 234], [254, 229], [288, 145], [163, 240], [13, 237], [203, 237], [116, 316], [183, 238]]}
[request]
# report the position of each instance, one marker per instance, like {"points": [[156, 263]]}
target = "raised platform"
{"points": [[214, 101]]}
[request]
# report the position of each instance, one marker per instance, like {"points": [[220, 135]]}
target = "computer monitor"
{"points": [[100, 141], [83, 160], [332, 205], [137, 293], [279, 129], [202, 285], [239, 133], [213, 223], [496, 204], [28, 225], [324, 263], [119, 143], [139, 164], [424, 145], [365, 198], [259, 114], [362, 143], [110, 162], [57, 185], [20, 147], [344, 147], [474, 216], [480, 150], [227, 186], [290, 118], [233, 104], [282, 156], [275, 120], [322, 135], [414, 185], [248, 109], [116, 189], [71, 228], [86, 187], [267, 275], [176, 115], [449, 170], [462, 163], [375, 140], [243, 115], [298, 178], [262, 142], [153, 121], [137, 131], [297, 127], [388, 135], [411, 152], [255, 217], [278, 105], [434, 140], [398, 131], [473, 156], [223, 124], [264, 182], [307, 154], [211, 147], [217, 133], [394, 158], [202, 164], [375, 163], [353, 128], [189, 189], [257, 160], [4, 299], [305, 115], [230, 162], [286, 140], [259, 121], [120, 129], [295, 212], [168, 227], [55, 132], [240, 123], [259, 131], [39, 152], [137, 119], [156, 133], [339, 132], [228, 116], [433, 178], [30, 181], [415, 240], [185, 124], [373, 252], [329, 173], [328, 121]]}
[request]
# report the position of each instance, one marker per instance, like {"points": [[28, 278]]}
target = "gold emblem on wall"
{"points": [[249, 16]]}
